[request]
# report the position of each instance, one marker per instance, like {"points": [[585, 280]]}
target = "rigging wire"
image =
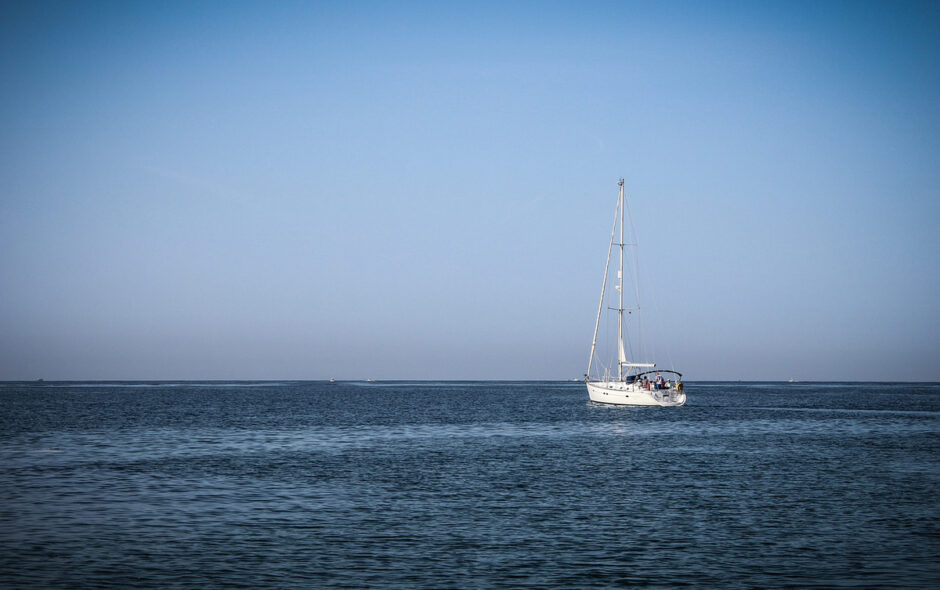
{"points": [[650, 288], [600, 306], [636, 274], [661, 329]]}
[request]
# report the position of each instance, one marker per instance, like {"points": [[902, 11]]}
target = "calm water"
{"points": [[467, 485]]}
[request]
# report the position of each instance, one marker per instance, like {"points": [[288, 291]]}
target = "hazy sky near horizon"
{"points": [[403, 190]]}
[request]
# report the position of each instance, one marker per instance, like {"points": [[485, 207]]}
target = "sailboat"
{"points": [[627, 382]]}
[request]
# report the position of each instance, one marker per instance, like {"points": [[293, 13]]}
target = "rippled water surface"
{"points": [[467, 485]]}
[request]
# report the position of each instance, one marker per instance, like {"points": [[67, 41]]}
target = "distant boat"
{"points": [[370, 380], [332, 380], [628, 384]]}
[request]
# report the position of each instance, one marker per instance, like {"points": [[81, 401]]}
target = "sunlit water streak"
{"points": [[471, 485]]}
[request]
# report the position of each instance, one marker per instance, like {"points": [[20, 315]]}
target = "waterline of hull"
{"points": [[629, 394]]}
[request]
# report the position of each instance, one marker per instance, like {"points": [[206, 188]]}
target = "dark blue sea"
{"points": [[467, 485]]}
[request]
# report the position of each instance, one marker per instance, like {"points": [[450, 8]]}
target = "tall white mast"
{"points": [[621, 356]]}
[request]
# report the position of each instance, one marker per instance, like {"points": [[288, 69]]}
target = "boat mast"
{"points": [[621, 357]]}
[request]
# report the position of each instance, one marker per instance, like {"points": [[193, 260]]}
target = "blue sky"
{"points": [[425, 190]]}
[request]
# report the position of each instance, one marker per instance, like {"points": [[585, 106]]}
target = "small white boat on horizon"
{"points": [[624, 382]]}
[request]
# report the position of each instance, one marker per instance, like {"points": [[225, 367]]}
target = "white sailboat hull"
{"points": [[631, 394]]}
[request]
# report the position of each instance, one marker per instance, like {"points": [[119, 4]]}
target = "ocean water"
{"points": [[467, 485]]}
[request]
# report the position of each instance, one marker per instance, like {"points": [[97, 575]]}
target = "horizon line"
{"points": [[43, 381]]}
